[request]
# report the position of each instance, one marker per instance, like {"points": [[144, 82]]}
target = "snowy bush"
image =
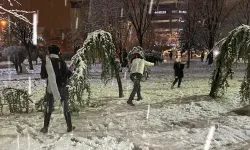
{"points": [[18, 100], [137, 49], [41, 39], [1, 104], [14, 52]]}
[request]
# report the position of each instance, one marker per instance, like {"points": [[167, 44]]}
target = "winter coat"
{"points": [[61, 71], [178, 69], [138, 65], [202, 55], [124, 60]]}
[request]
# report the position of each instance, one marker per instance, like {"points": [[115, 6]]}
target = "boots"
{"points": [[46, 122], [139, 98], [130, 103], [68, 121], [130, 100]]}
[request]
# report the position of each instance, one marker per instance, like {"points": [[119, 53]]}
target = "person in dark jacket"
{"points": [[178, 72], [55, 70], [124, 59], [202, 56], [170, 55]]}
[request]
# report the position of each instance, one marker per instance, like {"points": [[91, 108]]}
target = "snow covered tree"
{"points": [[140, 14], [21, 31], [98, 45], [231, 48], [242, 13], [191, 24], [213, 13], [136, 49], [5, 12]]}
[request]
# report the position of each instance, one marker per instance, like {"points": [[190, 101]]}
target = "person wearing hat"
{"points": [[178, 72], [55, 70], [137, 67]]}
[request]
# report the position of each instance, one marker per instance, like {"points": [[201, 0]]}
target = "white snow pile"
{"points": [[178, 119], [95, 143]]}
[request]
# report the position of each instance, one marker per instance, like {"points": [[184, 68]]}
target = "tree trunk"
{"points": [[210, 58], [210, 47], [29, 58], [214, 84], [20, 67], [119, 82], [140, 39], [16, 66], [188, 62]]}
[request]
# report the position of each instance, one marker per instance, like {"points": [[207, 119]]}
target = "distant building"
{"points": [[168, 21], [54, 20]]}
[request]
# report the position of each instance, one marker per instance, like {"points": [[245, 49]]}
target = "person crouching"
{"points": [[137, 67], [55, 70]]}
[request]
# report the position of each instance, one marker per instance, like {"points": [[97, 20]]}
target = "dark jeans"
{"points": [[179, 81], [64, 100], [136, 78]]}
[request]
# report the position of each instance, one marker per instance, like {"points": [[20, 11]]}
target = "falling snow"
{"points": [[34, 37]]}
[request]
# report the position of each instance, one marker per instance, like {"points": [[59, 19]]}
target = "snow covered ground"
{"points": [[179, 119]]}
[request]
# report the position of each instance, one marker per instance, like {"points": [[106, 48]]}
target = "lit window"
{"points": [[175, 20], [182, 12], [174, 11], [160, 21], [160, 12]]}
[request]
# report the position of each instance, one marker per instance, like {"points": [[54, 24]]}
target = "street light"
{"points": [[3, 23]]}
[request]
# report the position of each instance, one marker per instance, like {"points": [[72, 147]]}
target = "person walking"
{"points": [[137, 67], [55, 70], [171, 55], [124, 59], [202, 56], [178, 72]]}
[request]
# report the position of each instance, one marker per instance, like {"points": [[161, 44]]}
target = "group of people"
{"points": [[55, 70], [137, 66]]}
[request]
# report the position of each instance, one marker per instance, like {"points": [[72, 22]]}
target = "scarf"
{"points": [[52, 86]]}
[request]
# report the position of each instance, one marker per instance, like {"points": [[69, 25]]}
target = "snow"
{"points": [[179, 119]]}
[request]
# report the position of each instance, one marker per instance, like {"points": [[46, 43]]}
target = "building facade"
{"points": [[168, 21], [54, 20]]}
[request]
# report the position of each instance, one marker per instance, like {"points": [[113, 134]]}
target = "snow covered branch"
{"points": [[14, 12]]}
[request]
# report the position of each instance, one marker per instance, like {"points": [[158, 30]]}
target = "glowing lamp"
{"points": [[3, 23], [216, 53]]}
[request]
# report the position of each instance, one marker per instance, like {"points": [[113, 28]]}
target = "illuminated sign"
{"points": [[160, 12]]}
